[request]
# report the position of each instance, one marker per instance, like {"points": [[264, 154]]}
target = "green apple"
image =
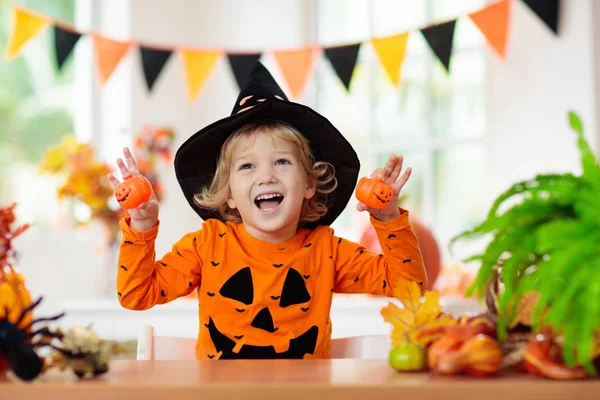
{"points": [[408, 357]]}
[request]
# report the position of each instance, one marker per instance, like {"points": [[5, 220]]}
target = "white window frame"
{"points": [[100, 118], [426, 145]]}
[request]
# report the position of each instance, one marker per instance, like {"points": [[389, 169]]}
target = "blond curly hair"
{"points": [[214, 197]]}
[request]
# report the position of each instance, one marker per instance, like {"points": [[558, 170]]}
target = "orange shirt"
{"points": [[259, 299]]}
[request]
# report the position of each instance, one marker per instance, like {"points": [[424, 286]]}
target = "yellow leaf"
{"points": [[54, 161], [430, 308], [409, 293], [415, 315], [69, 144]]}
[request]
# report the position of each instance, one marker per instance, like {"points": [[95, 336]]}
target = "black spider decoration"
{"points": [[17, 346]]}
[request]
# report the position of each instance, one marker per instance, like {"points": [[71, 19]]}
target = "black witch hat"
{"points": [[262, 99]]}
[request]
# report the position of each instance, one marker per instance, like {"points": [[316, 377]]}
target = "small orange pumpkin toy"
{"points": [[133, 191], [374, 192]]}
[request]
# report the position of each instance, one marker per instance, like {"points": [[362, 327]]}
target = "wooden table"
{"points": [[294, 379]]}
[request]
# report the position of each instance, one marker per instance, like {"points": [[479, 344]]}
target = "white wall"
{"points": [[531, 92]]}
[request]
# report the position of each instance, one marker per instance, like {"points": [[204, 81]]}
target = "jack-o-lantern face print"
{"points": [[291, 297], [121, 192], [133, 191]]}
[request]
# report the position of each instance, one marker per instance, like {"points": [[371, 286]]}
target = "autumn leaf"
{"points": [[414, 315], [527, 304], [54, 161], [84, 176]]}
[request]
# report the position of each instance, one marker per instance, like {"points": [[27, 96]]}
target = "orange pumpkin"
{"points": [[374, 192], [542, 357], [133, 191], [479, 355]]}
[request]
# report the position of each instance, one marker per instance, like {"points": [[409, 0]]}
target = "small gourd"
{"points": [[373, 192], [133, 191]]}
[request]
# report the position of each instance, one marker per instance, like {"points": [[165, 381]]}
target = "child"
{"points": [[268, 181]]}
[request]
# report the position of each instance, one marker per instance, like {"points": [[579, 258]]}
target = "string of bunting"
{"points": [[296, 65]]}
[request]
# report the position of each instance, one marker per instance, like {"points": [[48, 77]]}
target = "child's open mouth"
{"points": [[268, 201]]}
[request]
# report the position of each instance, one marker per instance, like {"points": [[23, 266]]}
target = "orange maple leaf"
{"points": [[415, 315]]}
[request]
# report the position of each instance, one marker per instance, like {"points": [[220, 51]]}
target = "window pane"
{"points": [[380, 119], [466, 34], [442, 10], [395, 16], [343, 21], [458, 100], [348, 111], [391, 17], [35, 110], [402, 111], [459, 189]]}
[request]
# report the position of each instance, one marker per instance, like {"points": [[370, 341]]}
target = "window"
{"points": [[35, 110], [434, 119]]}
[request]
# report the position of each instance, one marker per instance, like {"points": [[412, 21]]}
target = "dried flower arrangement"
{"points": [[85, 175]]}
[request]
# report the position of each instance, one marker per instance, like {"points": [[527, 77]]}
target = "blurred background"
{"points": [[149, 73]]}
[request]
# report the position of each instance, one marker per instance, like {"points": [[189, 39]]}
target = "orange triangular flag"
{"points": [[25, 26], [492, 21], [391, 54], [197, 65], [108, 54], [296, 66]]}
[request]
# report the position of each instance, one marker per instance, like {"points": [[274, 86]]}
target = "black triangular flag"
{"points": [[241, 65], [64, 42], [153, 62], [547, 10], [343, 60], [440, 38]]}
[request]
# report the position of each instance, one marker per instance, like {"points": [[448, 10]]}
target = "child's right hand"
{"points": [[144, 216]]}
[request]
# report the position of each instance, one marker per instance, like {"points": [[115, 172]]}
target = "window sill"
{"points": [[351, 315]]}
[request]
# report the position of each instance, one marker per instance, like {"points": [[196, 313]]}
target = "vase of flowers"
{"points": [[14, 295], [86, 185]]}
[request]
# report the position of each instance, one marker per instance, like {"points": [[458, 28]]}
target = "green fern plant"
{"points": [[548, 242]]}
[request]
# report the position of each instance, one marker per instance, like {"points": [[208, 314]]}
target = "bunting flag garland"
{"points": [[25, 26], [493, 24], [197, 65], [64, 43], [296, 65], [108, 53], [153, 62], [547, 11], [241, 64], [440, 38], [390, 51], [343, 60]]}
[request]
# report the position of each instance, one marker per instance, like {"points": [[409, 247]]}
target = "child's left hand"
{"points": [[389, 174]]}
